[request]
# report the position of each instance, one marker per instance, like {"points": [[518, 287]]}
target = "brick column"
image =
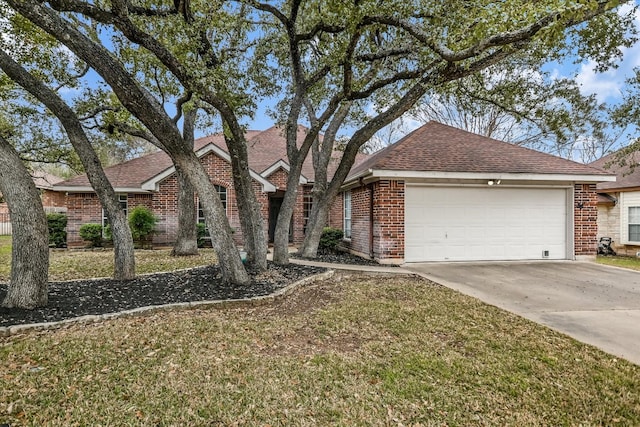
{"points": [[585, 214], [388, 221]]}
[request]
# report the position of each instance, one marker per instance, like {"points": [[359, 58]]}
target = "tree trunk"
{"points": [[251, 221], [28, 287], [123, 252], [315, 225], [281, 235], [187, 239], [215, 217]]}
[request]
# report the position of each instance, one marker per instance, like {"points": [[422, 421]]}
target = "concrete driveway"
{"points": [[595, 304]]}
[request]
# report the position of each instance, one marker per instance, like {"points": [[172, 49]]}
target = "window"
{"points": [[124, 205], [307, 203], [634, 224], [222, 192], [347, 215]]}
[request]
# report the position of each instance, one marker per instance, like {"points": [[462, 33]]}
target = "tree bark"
{"points": [[315, 225], [228, 257], [187, 238], [28, 287], [123, 251], [186, 243], [251, 222]]}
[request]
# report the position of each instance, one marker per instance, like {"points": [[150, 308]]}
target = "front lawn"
{"points": [[620, 261], [353, 351], [79, 264]]}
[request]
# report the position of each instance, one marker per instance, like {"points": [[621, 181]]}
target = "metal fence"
{"points": [[5, 221], [5, 224]]}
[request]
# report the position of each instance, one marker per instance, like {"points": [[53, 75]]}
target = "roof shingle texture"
{"points": [[626, 177], [436, 147], [264, 149]]}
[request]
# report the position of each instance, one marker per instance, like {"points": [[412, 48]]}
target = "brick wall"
{"points": [[82, 208], [336, 212], [360, 220], [585, 219], [53, 198], [85, 208], [388, 220]]}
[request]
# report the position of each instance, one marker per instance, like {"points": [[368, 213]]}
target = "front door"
{"points": [[274, 209]]}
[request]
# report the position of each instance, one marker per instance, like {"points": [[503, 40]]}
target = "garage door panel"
{"points": [[496, 223]]}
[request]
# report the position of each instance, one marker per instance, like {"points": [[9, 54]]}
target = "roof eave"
{"points": [[538, 177], [89, 189], [153, 183], [285, 166]]}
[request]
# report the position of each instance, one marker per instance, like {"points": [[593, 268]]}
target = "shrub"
{"points": [[202, 235], [92, 233], [142, 222], [106, 232], [57, 224], [330, 239]]}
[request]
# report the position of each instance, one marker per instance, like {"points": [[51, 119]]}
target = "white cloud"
{"points": [[605, 85], [608, 86]]}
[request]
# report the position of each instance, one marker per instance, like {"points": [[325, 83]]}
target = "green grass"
{"points": [[360, 351], [632, 263], [5, 246], [80, 264]]}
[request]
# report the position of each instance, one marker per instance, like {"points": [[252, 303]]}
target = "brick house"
{"points": [[150, 180], [619, 203], [439, 194], [443, 194]]}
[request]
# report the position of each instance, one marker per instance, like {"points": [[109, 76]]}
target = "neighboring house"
{"points": [[51, 201], [150, 180], [619, 202], [443, 194]]}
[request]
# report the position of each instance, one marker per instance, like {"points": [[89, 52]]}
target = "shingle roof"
{"points": [[44, 179], [626, 177], [264, 149], [436, 147], [129, 174]]}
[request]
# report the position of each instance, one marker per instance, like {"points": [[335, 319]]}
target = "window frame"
{"points": [[307, 205], [123, 201], [635, 223], [347, 214], [221, 190]]}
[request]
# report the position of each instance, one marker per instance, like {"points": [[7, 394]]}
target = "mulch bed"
{"points": [[102, 296], [342, 258]]}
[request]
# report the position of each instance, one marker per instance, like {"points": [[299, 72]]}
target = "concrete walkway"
{"points": [[352, 267]]}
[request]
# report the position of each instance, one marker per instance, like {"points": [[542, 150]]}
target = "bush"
{"points": [[142, 222], [92, 233], [106, 232], [57, 224], [202, 235], [330, 239]]}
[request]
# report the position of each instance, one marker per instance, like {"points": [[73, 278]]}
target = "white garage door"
{"points": [[494, 223]]}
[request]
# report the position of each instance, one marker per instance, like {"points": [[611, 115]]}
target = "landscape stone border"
{"points": [[7, 331]]}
